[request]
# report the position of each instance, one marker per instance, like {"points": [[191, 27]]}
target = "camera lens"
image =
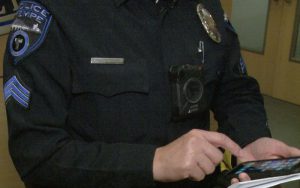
{"points": [[193, 90]]}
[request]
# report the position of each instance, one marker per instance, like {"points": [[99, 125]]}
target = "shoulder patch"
{"points": [[13, 88], [29, 29]]}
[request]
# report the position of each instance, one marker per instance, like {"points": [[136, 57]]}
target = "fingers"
{"points": [[294, 152], [193, 155], [267, 148], [245, 156], [203, 168], [234, 180], [207, 157], [196, 173], [206, 165], [284, 151], [242, 177], [213, 153], [221, 140], [281, 150]]}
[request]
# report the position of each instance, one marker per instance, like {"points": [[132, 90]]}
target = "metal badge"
{"points": [[208, 23]]}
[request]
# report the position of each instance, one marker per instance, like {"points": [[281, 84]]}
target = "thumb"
{"points": [[244, 156], [294, 152]]}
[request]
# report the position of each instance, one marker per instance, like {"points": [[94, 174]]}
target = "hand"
{"points": [[267, 148], [193, 155], [264, 148], [242, 177]]}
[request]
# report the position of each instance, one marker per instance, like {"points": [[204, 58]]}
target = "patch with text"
{"points": [[29, 29]]}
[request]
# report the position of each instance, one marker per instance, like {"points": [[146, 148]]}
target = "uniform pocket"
{"points": [[111, 79]]}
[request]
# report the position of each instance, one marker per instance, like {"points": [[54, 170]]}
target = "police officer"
{"points": [[117, 93]]}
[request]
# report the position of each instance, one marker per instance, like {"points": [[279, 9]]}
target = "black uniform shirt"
{"points": [[77, 121]]}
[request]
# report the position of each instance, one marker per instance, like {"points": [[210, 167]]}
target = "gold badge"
{"points": [[208, 23]]}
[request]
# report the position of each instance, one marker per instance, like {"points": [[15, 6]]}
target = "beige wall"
{"points": [[227, 5], [8, 175], [3, 39]]}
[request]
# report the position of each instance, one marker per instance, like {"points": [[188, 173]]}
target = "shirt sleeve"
{"points": [[238, 105], [38, 94]]}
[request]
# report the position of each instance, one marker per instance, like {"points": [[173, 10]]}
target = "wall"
{"points": [[2, 48], [227, 6]]}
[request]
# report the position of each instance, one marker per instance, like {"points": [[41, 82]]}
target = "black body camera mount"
{"points": [[187, 89]]}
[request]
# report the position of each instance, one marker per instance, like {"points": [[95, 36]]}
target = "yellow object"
{"points": [[226, 163]]}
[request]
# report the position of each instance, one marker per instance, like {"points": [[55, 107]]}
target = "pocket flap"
{"points": [[111, 79]]}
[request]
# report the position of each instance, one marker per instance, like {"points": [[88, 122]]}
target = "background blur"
{"points": [[269, 31]]}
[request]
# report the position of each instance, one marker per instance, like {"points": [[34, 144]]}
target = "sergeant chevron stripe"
{"points": [[13, 88]]}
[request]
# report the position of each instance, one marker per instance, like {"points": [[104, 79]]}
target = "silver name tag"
{"points": [[107, 61]]}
